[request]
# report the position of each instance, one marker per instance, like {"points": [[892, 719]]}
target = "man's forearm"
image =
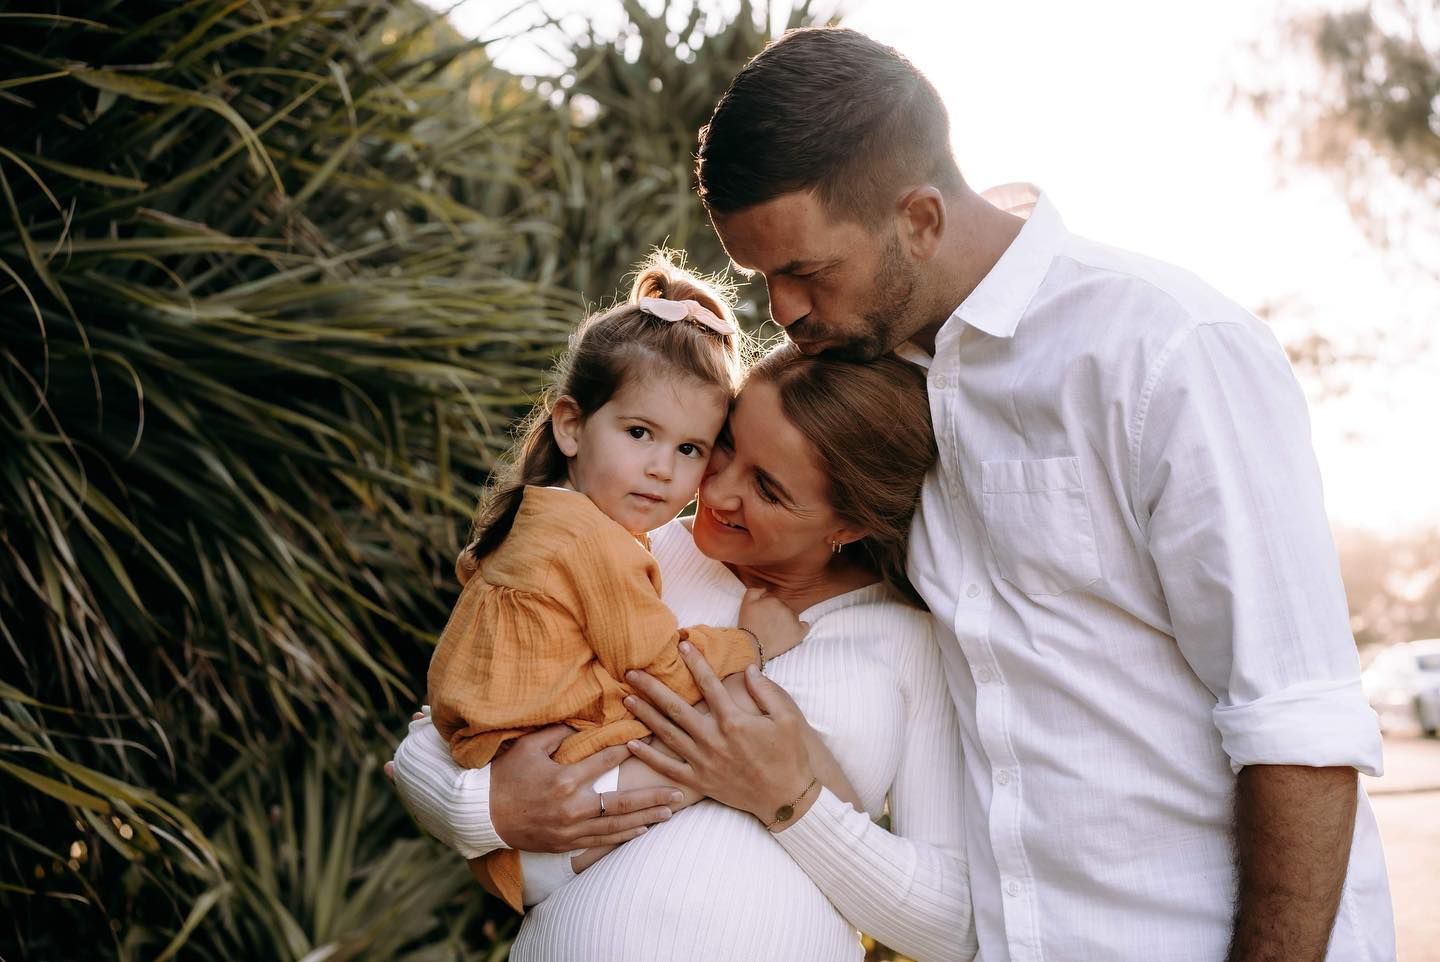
{"points": [[1293, 827]]}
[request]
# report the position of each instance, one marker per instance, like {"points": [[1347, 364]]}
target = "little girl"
{"points": [[561, 596]]}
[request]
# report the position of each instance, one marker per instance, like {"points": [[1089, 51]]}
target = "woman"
{"points": [[812, 502]]}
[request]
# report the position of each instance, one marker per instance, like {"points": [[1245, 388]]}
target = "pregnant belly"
{"points": [[710, 885]]}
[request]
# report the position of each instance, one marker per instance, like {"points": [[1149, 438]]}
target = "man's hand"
{"points": [[755, 763], [1293, 827], [539, 805]]}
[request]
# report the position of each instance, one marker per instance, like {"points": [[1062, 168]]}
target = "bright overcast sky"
{"points": [[1121, 111]]}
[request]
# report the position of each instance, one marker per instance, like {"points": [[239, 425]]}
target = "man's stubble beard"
{"points": [[888, 311]]}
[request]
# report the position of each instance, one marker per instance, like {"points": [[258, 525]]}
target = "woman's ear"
{"points": [[846, 536], [565, 422]]}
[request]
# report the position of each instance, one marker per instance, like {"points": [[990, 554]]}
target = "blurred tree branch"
{"points": [[1362, 102], [1355, 94], [1393, 584]]}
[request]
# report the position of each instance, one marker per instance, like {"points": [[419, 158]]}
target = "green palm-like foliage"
{"points": [[323, 865], [624, 176], [256, 357], [274, 279]]}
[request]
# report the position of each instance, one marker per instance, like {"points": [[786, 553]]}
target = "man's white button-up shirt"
{"points": [[1126, 546]]}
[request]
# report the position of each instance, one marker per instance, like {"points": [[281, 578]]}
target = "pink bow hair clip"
{"points": [[674, 311]]}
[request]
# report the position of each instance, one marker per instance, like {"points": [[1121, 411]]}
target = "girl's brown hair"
{"points": [[603, 351], [870, 425]]}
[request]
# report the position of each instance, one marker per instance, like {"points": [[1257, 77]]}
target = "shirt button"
{"points": [[1012, 888], [1003, 777], [983, 675], [941, 382], [973, 591]]}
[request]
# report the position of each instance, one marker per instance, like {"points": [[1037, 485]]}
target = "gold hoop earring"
{"points": [[835, 547]]}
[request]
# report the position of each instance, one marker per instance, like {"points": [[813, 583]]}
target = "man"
{"points": [[1124, 542]]}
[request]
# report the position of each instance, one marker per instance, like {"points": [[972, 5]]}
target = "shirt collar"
{"points": [[912, 352], [997, 303]]}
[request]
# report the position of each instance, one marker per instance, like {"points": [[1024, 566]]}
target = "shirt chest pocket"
{"points": [[1039, 525]]}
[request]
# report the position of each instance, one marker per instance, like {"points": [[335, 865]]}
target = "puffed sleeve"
{"points": [[496, 673], [1228, 491]]}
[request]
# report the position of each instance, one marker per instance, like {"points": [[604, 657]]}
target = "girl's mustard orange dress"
{"points": [[545, 628]]}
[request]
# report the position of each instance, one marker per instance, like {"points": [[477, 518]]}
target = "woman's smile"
{"points": [[719, 520]]}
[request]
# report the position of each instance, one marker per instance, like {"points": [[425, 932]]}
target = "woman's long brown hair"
{"points": [[870, 425]]}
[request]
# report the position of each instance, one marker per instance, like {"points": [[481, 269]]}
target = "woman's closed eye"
{"points": [[762, 486]]}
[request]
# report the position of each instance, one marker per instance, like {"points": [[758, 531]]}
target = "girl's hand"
{"points": [[771, 620]]}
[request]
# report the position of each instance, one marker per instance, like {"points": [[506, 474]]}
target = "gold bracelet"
{"points": [[786, 812], [759, 648]]}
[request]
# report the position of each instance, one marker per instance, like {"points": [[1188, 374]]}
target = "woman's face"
{"points": [[764, 502]]}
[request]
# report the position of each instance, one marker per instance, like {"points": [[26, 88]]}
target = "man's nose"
{"points": [[788, 303]]}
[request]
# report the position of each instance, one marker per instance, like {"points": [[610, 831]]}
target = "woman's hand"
{"points": [[756, 763], [539, 805], [771, 620]]}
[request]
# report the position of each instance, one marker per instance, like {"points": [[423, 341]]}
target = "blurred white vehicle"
{"points": [[1403, 685]]}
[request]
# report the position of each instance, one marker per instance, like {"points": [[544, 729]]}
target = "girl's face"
{"points": [[640, 457], [765, 502]]}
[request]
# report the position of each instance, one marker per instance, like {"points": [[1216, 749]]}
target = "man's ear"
{"points": [[565, 422], [921, 213]]}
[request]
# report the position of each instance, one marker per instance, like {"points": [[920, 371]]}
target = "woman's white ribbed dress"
{"points": [[712, 883]]}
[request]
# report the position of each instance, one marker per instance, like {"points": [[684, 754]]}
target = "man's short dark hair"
{"points": [[831, 110]]}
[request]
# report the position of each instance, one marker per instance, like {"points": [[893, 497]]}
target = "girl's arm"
{"points": [[908, 887]]}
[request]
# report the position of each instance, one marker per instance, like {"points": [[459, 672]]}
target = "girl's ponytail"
{"points": [[538, 461]]}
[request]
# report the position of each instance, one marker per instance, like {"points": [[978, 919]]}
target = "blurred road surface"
{"points": [[1407, 804]]}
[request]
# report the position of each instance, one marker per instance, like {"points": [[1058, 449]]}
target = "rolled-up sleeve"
{"points": [[1228, 493], [449, 802]]}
